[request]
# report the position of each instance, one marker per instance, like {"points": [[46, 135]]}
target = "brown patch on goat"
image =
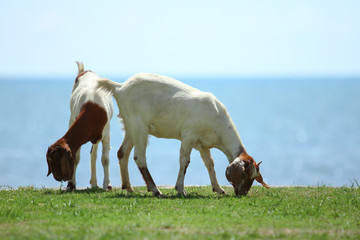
{"points": [[120, 153], [245, 156], [147, 177], [88, 126]]}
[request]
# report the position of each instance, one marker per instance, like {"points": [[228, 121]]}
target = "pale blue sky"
{"points": [[181, 38]]}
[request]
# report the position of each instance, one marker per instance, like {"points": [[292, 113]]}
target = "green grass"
{"points": [[275, 213]]}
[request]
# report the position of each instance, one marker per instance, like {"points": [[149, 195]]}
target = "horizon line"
{"points": [[201, 77]]}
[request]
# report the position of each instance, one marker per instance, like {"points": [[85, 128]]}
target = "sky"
{"points": [[180, 38]]}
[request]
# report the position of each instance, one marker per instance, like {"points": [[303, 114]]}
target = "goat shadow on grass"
{"points": [[59, 191], [118, 193], [167, 196]]}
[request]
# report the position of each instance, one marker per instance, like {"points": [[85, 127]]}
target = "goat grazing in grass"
{"points": [[166, 108], [91, 111]]}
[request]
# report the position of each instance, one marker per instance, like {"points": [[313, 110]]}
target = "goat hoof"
{"points": [[219, 191], [222, 193], [107, 186], [157, 194], [70, 187], [182, 193], [128, 188]]}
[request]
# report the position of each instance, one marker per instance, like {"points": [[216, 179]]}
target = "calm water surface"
{"points": [[306, 132]]}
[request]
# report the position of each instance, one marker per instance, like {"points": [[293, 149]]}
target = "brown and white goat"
{"points": [[91, 111], [166, 108]]}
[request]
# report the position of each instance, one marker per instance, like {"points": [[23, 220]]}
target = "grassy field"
{"points": [[275, 213]]}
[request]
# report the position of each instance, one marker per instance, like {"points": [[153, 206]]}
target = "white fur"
{"points": [[166, 108], [84, 90]]}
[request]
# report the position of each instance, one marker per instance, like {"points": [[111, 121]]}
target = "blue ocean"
{"points": [[305, 131]]}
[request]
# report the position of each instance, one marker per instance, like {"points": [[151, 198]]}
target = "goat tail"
{"points": [[108, 85], [80, 67]]}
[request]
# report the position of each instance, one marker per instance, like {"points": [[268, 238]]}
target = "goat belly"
{"points": [[161, 131]]}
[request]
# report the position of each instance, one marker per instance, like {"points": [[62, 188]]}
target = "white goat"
{"points": [[166, 108], [91, 111]]}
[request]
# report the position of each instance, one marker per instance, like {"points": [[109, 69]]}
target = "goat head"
{"points": [[242, 172], [60, 163]]}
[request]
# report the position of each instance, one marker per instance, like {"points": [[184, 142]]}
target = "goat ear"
{"points": [[259, 179], [48, 162], [67, 166], [49, 171]]}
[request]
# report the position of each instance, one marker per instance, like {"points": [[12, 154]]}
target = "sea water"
{"points": [[305, 132]]}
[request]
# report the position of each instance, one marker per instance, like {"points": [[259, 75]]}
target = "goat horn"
{"points": [[80, 67]]}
